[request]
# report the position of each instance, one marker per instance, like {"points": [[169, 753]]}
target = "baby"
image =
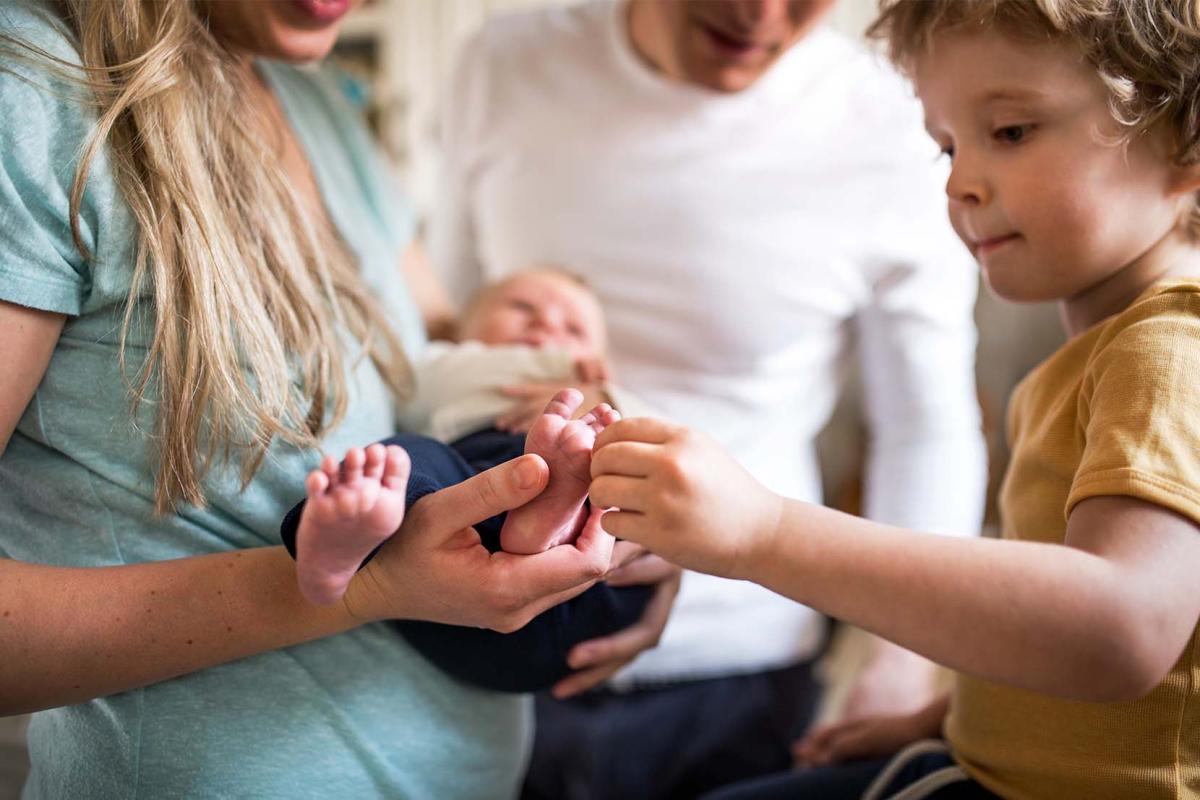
{"points": [[536, 326]]}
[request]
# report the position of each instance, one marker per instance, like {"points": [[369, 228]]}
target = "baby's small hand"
{"points": [[679, 494], [591, 370]]}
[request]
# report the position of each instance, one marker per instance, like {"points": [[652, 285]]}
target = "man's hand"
{"points": [[894, 681], [597, 660]]}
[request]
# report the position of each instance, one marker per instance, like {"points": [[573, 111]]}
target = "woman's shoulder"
{"points": [[40, 79]]}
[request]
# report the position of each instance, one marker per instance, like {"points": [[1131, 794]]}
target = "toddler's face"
{"points": [[540, 310], [1040, 190]]}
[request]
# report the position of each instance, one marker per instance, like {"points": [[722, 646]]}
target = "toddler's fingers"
{"points": [[619, 491], [637, 429], [625, 524], [630, 459]]}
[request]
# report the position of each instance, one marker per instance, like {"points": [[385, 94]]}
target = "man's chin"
{"points": [[726, 79]]}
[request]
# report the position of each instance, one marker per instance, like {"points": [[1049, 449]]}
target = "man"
{"points": [[753, 199]]}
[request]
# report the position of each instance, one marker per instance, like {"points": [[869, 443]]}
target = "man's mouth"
{"points": [[731, 45]]}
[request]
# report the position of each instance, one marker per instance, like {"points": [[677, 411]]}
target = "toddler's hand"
{"points": [[681, 496]]}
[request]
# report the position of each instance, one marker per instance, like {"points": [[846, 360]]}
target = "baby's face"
{"points": [[540, 310]]}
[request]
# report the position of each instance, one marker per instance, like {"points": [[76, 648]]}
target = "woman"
{"points": [[189, 304]]}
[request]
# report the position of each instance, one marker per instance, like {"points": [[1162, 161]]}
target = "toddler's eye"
{"points": [[1011, 134]]}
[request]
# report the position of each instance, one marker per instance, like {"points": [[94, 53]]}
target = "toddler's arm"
{"points": [[1121, 593]]}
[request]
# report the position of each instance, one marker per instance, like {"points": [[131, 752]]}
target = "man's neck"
{"points": [[650, 38]]}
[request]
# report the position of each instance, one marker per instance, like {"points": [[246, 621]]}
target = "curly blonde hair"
{"points": [[1147, 52]]}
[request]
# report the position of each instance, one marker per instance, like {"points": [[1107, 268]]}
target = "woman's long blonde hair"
{"points": [[252, 293]]}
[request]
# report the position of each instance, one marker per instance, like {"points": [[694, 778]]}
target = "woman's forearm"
{"points": [[72, 634], [1034, 615]]}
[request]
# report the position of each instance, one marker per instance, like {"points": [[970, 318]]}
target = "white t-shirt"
{"points": [[744, 247]]}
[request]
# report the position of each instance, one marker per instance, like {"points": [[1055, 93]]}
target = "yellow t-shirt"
{"points": [[1116, 411]]}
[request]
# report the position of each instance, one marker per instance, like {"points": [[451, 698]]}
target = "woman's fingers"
{"points": [[546, 579], [485, 495]]}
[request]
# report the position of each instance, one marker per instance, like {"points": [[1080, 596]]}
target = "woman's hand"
{"points": [[531, 400], [597, 660], [681, 496], [869, 737], [436, 569]]}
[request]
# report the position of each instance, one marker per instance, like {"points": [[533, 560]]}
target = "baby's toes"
{"points": [[316, 483], [332, 471], [376, 458], [565, 403], [396, 468], [600, 417], [352, 464]]}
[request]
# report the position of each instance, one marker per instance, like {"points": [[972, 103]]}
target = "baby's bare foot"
{"points": [[351, 509], [555, 516]]}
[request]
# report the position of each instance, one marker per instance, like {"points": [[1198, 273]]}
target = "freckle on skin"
{"points": [[7, 613], [229, 629], [153, 592], [189, 641]]}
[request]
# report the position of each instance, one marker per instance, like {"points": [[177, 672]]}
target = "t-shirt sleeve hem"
{"points": [[1127, 482], [40, 291]]}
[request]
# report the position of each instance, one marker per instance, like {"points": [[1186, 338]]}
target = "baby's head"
{"points": [[545, 307], [1073, 128]]}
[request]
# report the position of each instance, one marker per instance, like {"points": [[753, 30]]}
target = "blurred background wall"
{"points": [[401, 52]]}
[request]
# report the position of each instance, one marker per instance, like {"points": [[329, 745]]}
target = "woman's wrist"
{"points": [[87, 632]]}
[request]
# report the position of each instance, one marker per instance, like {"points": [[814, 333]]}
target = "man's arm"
{"points": [[926, 466]]}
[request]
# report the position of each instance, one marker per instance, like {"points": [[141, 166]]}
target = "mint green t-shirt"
{"points": [[355, 715]]}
